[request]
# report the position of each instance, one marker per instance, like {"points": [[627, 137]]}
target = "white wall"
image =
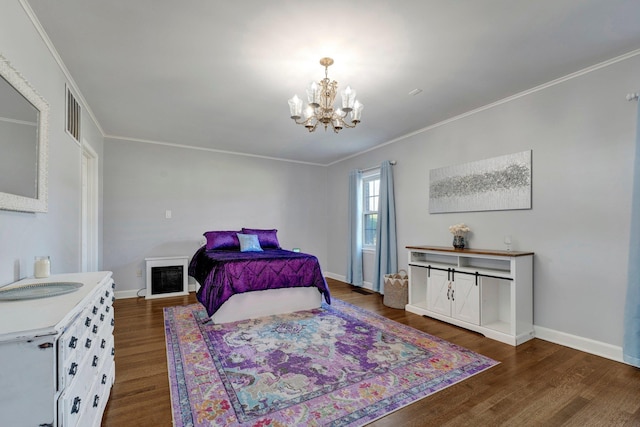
{"points": [[56, 233], [581, 132], [204, 191]]}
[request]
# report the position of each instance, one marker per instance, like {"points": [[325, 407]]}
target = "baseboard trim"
{"points": [[366, 285], [129, 293], [133, 293], [587, 345]]}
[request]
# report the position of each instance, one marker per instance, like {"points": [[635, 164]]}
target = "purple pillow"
{"points": [[222, 240], [267, 238]]}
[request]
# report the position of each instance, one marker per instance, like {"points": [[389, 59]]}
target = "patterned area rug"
{"points": [[338, 365]]}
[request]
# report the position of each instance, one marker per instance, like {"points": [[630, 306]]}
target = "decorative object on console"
{"points": [[459, 231], [499, 183], [320, 110], [42, 267], [341, 366]]}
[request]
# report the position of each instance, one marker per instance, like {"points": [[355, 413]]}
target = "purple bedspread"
{"points": [[224, 273]]}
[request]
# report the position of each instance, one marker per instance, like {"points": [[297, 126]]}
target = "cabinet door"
{"points": [[465, 299], [439, 292]]}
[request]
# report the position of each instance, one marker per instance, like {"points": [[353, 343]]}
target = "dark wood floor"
{"points": [[536, 384]]}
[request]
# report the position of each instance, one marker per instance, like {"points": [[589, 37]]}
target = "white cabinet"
{"points": [[487, 291], [454, 296], [57, 354]]}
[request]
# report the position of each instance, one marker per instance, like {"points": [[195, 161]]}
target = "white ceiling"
{"points": [[218, 74]]}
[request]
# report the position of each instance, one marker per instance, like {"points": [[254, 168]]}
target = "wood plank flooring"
{"points": [[536, 384]]}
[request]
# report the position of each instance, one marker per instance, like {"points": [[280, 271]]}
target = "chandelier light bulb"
{"points": [[295, 107], [320, 108]]}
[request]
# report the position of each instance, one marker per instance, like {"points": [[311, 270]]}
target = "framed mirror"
{"points": [[24, 121]]}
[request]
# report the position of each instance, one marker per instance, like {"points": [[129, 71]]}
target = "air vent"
{"points": [[73, 116]]}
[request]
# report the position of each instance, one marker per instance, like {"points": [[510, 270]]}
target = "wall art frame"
{"points": [[498, 183]]}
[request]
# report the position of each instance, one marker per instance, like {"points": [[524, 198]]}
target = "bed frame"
{"points": [[250, 305]]}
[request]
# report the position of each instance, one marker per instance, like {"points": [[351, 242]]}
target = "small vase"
{"points": [[458, 242]]}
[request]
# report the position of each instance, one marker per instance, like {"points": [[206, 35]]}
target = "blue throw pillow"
{"points": [[249, 243]]}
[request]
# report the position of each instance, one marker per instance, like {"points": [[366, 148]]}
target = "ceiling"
{"points": [[218, 74]]}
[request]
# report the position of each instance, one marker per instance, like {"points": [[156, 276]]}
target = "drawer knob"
{"points": [[76, 405], [73, 342], [73, 369]]}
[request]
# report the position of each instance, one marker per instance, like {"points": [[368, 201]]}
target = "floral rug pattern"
{"points": [[338, 365]]}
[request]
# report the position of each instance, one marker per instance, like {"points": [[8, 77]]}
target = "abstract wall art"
{"points": [[499, 183]]}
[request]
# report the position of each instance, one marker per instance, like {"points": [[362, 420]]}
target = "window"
{"points": [[371, 196]]}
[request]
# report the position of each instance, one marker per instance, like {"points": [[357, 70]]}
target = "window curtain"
{"points": [[354, 231], [631, 343], [386, 260]]}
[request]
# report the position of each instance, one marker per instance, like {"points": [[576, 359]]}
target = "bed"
{"points": [[237, 284]]}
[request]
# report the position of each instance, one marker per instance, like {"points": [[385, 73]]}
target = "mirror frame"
{"points": [[20, 203]]}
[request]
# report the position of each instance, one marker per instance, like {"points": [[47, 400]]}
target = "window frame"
{"points": [[367, 177]]}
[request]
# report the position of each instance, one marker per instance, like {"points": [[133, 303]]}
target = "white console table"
{"points": [[486, 291]]}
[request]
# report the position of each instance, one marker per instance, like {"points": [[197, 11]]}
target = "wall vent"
{"points": [[73, 116]]}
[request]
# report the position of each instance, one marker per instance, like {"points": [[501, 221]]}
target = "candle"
{"points": [[42, 267]]}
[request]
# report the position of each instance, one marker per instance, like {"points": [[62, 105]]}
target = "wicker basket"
{"points": [[396, 289]]}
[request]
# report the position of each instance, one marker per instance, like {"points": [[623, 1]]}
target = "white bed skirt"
{"points": [[254, 304]]}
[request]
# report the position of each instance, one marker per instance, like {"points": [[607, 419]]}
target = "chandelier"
{"points": [[320, 109]]}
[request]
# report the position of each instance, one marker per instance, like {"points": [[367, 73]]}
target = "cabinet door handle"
{"points": [[87, 344], [452, 291], [448, 293], [94, 310], [104, 379], [95, 329], [87, 322], [95, 361], [74, 368], [103, 343], [73, 342], [96, 398], [76, 405]]}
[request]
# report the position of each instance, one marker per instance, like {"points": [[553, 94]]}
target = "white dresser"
{"points": [[484, 290], [57, 354]]}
